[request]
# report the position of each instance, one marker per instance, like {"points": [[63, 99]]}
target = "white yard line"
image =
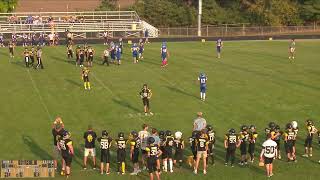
{"points": [[39, 95]]}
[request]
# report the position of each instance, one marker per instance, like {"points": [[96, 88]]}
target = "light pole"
{"points": [[199, 17]]}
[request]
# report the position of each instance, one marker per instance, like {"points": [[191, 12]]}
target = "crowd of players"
{"points": [[163, 151]]}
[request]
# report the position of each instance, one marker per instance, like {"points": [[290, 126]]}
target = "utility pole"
{"points": [[199, 17]]}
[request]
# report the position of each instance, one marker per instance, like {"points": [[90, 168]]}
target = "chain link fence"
{"points": [[225, 31]]}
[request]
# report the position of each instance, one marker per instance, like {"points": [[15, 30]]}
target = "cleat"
{"points": [[151, 113], [204, 172], [195, 172]]}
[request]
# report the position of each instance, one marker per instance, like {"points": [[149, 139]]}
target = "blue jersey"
{"points": [[164, 52], [203, 81], [118, 53], [134, 50]]}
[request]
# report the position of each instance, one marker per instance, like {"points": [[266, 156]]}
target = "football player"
{"points": [[168, 161], [121, 153], [164, 54], [276, 136], [134, 50], [145, 95], [81, 57], [267, 155], [179, 147], [33, 53], [118, 54], [121, 45], [253, 135], [311, 130], [112, 52], [89, 147], [90, 55], [78, 55], [296, 130], [105, 144], [203, 86], [289, 138], [212, 140], [85, 77], [57, 133], [26, 54], [153, 153], [11, 47], [66, 148], [162, 145], [244, 137], [134, 152], [69, 51], [292, 49], [202, 149], [141, 50], [193, 147], [39, 58], [105, 37], [219, 44], [231, 142]]}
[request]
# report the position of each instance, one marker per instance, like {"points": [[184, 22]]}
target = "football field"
{"points": [[253, 83]]}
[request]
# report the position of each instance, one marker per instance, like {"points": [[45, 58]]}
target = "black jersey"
{"points": [[244, 137], [64, 146], [56, 135], [121, 144], [192, 142], [169, 142], [232, 140], [153, 151], [136, 143], [105, 143], [290, 137], [178, 144], [90, 139], [253, 137], [202, 143], [145, 93], [211, 136]]}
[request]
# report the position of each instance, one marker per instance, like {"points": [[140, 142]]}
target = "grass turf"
{"points": [[253, 83]]}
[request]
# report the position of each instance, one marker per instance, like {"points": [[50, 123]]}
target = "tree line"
{"points": [[166, 13]]}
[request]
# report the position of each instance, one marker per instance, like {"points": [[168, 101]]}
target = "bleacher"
{"points": [[82, 24]]}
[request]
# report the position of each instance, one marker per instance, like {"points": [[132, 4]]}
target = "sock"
{"points": [[89, 86], [85, 85], [204, 96], [123, 167], [201, 95], [165, 165], [170, 165]]}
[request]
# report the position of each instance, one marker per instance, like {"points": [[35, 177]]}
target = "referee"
{"points": [[145, 95]]}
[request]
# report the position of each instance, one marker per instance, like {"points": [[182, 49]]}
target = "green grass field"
{"points": [[254, 83]]}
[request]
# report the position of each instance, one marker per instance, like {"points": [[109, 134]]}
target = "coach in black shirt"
{"points": [[89, 146]]}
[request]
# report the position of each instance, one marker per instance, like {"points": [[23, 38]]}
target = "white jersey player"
{"points": [[268, 153]]}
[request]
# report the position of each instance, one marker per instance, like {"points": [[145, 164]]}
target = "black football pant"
{"points": [[231, 155], [39, 63]]}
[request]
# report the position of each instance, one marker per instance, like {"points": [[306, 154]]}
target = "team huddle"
{"points": [[164, 151]]}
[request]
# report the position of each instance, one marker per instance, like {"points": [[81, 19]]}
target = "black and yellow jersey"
{"points": [[232, 140], [311, 129], [135, 143], [85, 72], [145, 93], [64, 146], [89, 139], [211, 137], [289, 136], [121, 144], [253, 137], [244, 137], [201, 143], [178, 144], [153, 151]]}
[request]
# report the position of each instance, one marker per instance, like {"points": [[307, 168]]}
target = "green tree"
{"points": [[107, 5], [310, 10], [7, 5]]}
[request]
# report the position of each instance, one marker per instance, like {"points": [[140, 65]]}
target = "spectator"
{"points": [[200, 123]]}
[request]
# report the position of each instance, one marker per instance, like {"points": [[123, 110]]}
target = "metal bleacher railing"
{"points": [[126, 23]]}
